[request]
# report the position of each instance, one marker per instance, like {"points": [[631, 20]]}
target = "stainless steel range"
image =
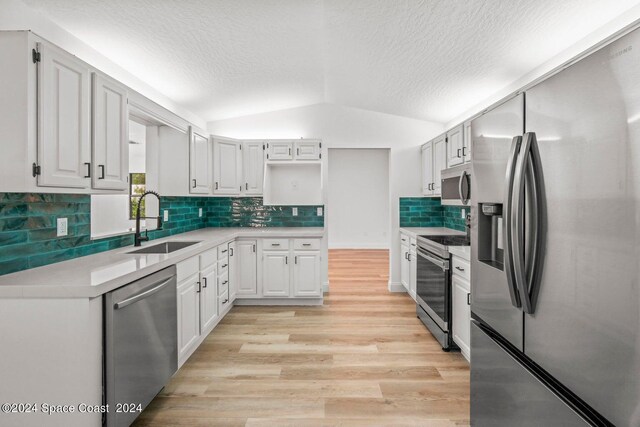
{"points": [[433, 285]]}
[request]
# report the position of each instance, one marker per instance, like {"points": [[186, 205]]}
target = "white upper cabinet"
{"points": [[253, 167], [227, 166], [466, 148], [455, 145], [427, 169], [199, 162], [279, 150], [439, 163], [307, 149], [64, 144], [110, 134]]}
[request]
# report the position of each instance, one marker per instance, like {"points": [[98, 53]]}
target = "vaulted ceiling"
{"points": [[426, 59]]}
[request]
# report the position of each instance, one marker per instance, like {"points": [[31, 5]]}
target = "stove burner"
{"points": [[450, 240]]}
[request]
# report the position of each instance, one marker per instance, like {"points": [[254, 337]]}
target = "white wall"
{"points": [[346, 127], [358, 204]]}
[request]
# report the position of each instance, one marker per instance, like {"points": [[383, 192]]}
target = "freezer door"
{"points": [[585, 328], [492, 135], [505, 393]]}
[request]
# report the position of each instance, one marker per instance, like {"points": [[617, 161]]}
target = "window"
{"points": [[137, 186]]}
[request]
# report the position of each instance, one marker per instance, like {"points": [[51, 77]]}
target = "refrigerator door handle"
{"points": [[507, 221], [530, 195]]}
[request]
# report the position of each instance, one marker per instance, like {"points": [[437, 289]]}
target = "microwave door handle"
{"points": [[506, 225], [464, 180]]}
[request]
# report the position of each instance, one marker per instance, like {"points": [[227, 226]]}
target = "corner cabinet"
{"points": [[199, 162], [434, 159], [64, 125], [227, 166]]}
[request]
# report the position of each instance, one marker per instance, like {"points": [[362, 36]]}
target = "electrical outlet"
{"points": [[62, 226], [165, 216], [199, 212], [294, 211], [463, 214], [319, 211]]}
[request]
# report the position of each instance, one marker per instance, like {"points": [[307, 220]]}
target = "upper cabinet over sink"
{"points": [[295, 149], [199, 162]]}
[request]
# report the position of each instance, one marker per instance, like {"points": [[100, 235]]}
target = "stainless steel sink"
{"points": [[163, 248]]}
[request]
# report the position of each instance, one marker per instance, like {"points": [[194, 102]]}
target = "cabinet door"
{"points": [[188, 314], [461, 314], [276, 274], [279, 150], [306, 274], [233, 271], [427, 169], [466, 143], [199, 163], [405, 267], [227, 166], [64, 142], [413, 273], [439, 163], [307, 150], [253, 167], [110, 134], [455, 143], [208, 298], [247, 284]]}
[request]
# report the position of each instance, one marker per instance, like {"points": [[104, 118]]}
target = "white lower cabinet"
{"points": [[208, 293], [405, 266], [247, 268], [461, 292], [413, 269], [276, 273], [188, 294], [306, 274], [233, 271]]}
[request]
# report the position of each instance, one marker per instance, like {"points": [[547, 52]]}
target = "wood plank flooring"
{"points": [[362, 359]]}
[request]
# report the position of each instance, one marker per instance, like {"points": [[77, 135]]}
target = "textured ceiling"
{"points": [[429, 59]]}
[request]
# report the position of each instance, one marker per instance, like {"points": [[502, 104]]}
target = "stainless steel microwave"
{"points": [[456, 185]]}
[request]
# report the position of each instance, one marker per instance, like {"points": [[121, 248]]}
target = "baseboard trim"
{"points": [[278, 301], [325, 287], [396, 287]]}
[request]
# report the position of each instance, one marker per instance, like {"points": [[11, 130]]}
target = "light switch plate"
{"points": [[294, 211], [199, 212], [165, 216], [319, 211], [62, 227]]}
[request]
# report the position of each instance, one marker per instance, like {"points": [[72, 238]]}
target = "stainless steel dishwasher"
{"points": [[141, 344]]}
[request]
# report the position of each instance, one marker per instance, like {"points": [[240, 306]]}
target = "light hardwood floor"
{"points": [[361, 359]]}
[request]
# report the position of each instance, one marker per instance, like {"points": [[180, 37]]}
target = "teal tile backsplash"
{"points": [[28, 224], [428, 212]]}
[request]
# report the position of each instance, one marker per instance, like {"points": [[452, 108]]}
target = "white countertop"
{"points": [[434, 231], [463, 252], [93, 275]]}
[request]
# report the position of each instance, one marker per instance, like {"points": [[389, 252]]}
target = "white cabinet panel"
{"points": [[466, 148], [427, 169], [279, 150], [233, 271], [307, 150], [413, 271], [208, 298], [253, 167], [246, 261], [439, 163], [461, 314], [405, 267], [199, 163], [455, 144], [227, 166], [188, 315], [306, 274], [110, 134], [275, 274], [64, 144]]}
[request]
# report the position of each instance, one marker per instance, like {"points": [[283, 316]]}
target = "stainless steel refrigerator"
{"points": [[556, 248]]}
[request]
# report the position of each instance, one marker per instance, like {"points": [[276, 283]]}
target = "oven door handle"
{"points": [[444, 265]]}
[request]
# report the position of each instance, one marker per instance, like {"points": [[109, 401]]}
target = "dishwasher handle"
{"points": [[142, 295]]}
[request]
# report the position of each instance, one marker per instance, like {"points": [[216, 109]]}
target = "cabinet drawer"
{"points": [[306, 244], [461, 267], [413, 243], [187, 268], [404, 239], [223, 265], [275, 244], [223, 303], [223, 283], [223, 251], [208, 258]]}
